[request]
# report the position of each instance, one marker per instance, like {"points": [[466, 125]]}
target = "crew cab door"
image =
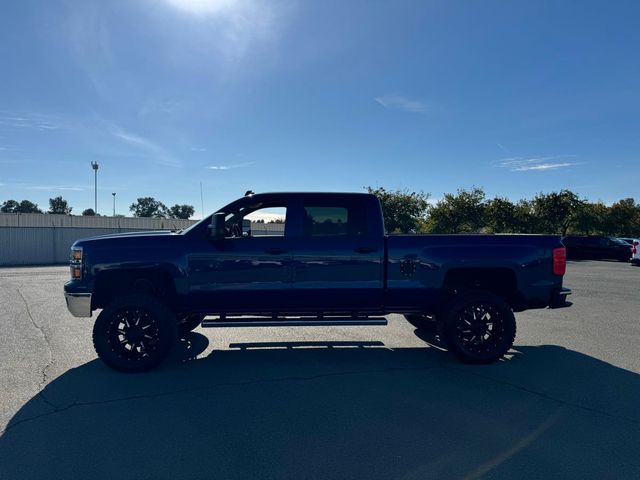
{"points": [[248, 270], [337, 261]]}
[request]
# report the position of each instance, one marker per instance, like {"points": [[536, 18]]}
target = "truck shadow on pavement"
{"points": [[332, 410]]}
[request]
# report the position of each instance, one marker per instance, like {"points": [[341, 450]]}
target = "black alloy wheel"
{"points": [[479, 327], [134, 333]]}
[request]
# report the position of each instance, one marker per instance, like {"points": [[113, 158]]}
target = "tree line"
{"points": [[142, 207], [470, 211], [466, 211]]}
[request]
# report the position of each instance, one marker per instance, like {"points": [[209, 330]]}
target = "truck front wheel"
{"points": [[478, 327], [134, 333]]}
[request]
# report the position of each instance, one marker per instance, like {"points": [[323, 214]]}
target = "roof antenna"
{"points": [[248, 193]]}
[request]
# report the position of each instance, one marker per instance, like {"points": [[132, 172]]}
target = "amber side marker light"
{"points": [[76, 272]]}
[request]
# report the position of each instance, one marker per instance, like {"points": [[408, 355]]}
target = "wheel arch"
{"points": [[501, 281], [110, 284]]}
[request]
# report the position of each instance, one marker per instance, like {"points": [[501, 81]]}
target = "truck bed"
{"points": [[423, 264]]}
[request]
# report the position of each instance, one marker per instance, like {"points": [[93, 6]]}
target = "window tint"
{"points": [[322, 220], [326, 221]]}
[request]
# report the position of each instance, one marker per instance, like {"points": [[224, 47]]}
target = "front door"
{"points": [[248, 271]]}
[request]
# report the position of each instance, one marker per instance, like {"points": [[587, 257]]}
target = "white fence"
{"points": [[47, 220], [43, 239]]}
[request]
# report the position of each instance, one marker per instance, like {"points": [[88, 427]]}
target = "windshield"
{"points": [[619, 241]]}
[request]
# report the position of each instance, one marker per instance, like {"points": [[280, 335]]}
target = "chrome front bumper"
{"points": [[79, 304]]}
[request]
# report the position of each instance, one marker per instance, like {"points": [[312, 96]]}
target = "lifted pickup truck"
{"points": [[332, 264]]}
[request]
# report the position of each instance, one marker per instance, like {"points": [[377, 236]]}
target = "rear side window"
{"points": [[326, 221], [332, 220]]}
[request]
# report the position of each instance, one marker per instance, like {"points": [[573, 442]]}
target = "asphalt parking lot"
{"points": [[342, 402]]}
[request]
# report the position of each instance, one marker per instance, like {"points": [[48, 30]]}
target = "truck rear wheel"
{"points": [[134, 333], [478, 327]]}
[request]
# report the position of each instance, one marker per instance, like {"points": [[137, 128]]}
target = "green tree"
{"points": [[590, 219], [28, 207], [555, 211], [148, 207], [89, 212], [623, 218], [500, 216], [403, 211], [181, 211], [459, 213], [59, 206], [524, 219], [9, 206]]}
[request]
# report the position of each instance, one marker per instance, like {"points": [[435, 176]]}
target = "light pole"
{"points": [[94, 165], [114, 203]]}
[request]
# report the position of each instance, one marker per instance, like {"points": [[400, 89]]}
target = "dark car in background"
{"points": [[597, 248]]}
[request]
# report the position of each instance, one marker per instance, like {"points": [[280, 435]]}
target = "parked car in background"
{"points": [[630, 241], [597, 248]]}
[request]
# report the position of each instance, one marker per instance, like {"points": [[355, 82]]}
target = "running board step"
{"points": [[293, 322]]}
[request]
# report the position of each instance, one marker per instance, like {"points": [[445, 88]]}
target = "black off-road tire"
{"points": [[135, 333], [478, 327], [189, 323]]}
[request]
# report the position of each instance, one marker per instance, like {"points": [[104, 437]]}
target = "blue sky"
{"points": [[515, 97]]}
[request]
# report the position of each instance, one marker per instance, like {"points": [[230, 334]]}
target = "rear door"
{"points": [[338, 262]]}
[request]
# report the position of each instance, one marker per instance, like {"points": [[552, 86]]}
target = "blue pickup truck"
{"points": [[331, 264]]}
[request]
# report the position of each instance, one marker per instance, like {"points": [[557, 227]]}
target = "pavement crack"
{"points": [[547, 396], [294, 378], [43, 372]]}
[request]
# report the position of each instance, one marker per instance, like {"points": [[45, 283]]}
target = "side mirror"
{"points": [[216, 229]]}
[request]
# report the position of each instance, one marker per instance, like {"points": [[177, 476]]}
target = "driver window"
{"points": [[264, 222]]}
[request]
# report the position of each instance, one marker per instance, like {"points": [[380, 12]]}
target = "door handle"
{"points": [[366, 250], [276, 251]]}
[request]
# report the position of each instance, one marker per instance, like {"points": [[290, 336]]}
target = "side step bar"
{"points": [[292, 322]]}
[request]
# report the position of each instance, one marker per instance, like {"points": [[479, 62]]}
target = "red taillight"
{"points": [[559, 261], [634, 248]]}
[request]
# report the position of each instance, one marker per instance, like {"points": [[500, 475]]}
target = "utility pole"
{"points": [[94, 165], [114, 203]]}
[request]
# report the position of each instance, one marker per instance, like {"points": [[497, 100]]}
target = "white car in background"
{"points": [[635, 250]]}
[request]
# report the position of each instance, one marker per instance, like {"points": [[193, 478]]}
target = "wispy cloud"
{"points": [[230, 167], [544, 166], [63, 188], [29, 120], [47, 187], [503, 148], [528, 164], [400, 102], [158, 153], [198, 149]]}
